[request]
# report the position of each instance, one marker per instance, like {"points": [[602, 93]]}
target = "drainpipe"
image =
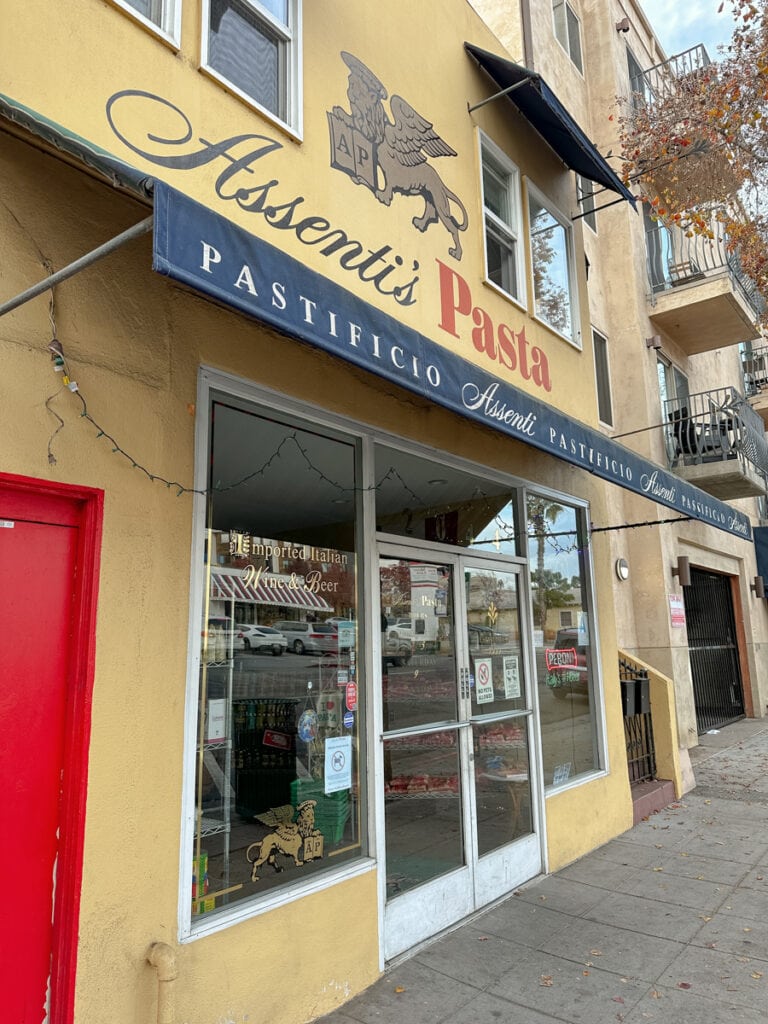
{"points": [[527, 27], [162, 957]]}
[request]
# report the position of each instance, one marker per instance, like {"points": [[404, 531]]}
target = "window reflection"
{"points": [[562, 640], [277, 754]]}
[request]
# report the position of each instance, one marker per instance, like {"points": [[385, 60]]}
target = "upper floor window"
{"points": [[586, 194], [501, 205], [552, 268], [638, 85], [673, 383], [255, 47], [568, 30], [603, 378], [159, 14]]}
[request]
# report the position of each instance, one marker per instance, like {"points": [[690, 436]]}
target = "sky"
{"points": [[681, 24]]}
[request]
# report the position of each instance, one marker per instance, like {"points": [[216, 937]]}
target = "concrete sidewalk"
{"points": [[667, 923]]}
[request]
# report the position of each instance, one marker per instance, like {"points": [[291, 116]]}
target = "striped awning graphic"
{"points": [[270, 590]]}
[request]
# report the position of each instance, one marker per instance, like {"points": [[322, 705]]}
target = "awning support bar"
{"points": [[496, 95], [73, 268]]}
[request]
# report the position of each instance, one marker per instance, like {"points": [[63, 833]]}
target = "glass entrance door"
{"points": [[459, 808]]}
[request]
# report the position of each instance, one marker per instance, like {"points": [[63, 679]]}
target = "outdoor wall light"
{"points": [[758, 587], [683, 570], [654, 341], [622, 569], [623, 25]]}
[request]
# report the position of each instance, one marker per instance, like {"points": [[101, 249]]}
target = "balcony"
{"points": [[664, 79], [700, 297], [754, 364], [717, 442]]}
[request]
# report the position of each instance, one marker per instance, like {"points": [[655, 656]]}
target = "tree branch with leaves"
{"points": [[695, 145]]}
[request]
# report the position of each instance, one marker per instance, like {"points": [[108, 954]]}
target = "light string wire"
{"points": [[503, 532]]}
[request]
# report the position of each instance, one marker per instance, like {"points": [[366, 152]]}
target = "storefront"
{"points": [[345, 668], [401, 713], [431, 676]]}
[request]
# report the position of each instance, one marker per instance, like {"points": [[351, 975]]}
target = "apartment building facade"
{"points": [[678, 364]]}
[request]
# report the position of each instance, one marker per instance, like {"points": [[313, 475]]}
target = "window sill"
{"points": [[507, 296], [294, 133], [577, 780], [574, 343], [169, 39], [193, 929]]}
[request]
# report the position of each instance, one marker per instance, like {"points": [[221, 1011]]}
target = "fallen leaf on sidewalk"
{"points": [[399, 989], [618, 999], [655, 994], [595, 952], [546, 980], [757, 975], [683, 984], [482, 938]]}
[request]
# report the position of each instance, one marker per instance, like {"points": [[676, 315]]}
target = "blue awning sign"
{"points": [[201, 249]]}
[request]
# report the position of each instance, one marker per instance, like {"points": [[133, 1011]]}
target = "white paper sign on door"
{"points": [[511, 677], [338, 763], [484, 680]]}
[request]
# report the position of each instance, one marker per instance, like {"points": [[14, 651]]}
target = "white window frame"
{"points": [[673, 383], [506, 232], [589, 604], [194, 927], [567, 25], [574, 338], [291, 72], [167, 24], [602, 374], [585, 192]]}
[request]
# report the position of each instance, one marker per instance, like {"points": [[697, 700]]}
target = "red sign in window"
{"points": [[560, 657]]}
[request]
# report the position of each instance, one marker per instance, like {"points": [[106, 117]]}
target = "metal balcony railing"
{"points": [[714, 426], [674, 259], [665, 78], [754, 365]]}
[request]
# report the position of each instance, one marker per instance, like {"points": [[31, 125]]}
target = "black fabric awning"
{"points": [[539, 105]]}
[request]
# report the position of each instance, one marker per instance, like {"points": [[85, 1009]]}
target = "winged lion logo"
{"points": [[391, 156]]}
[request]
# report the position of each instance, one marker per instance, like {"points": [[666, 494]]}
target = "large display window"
{"points": [[562, 639], [278, 757]]}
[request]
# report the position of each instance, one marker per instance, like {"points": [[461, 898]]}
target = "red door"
{"points": [[42, 763]]}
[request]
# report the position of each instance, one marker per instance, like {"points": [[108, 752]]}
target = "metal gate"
{"points": [[717, 689]]}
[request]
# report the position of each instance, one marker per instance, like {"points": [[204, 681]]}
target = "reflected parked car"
{"points": [[310, 637], [261, 638]]}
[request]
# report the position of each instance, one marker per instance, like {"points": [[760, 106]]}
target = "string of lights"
{"points": [[504, 533]]}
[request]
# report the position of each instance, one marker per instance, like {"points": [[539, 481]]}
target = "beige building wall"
{"points": [[620, 302]]}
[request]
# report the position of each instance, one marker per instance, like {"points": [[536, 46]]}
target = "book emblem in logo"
{"points": [[390, 155]]}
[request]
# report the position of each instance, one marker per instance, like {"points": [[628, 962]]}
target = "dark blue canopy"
{"points": [[539, 105]]}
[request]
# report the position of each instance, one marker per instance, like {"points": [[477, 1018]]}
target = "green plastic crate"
{"points": [[331, 810]]}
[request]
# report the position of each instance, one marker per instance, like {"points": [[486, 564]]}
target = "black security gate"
{"points": [[717, 690]]}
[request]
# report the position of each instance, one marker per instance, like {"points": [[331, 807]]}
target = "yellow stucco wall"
{"points": [[111, 54], [134, 343]]}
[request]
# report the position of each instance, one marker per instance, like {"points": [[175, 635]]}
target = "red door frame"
{"points": [[83, 507]]}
